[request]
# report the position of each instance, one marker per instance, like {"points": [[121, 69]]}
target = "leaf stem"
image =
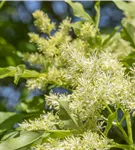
{"points": [[123, 132], [97, 18], [129, 127], [123, 146]]}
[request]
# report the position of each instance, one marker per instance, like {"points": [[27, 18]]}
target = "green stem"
{"points": [[109, 109], [124, 133], [69, 132], [65, 131], [113, 123], [129, 127], [122, 146], [97, 17], [118, 124], [122, 119], [106, 105], [128, 137]]}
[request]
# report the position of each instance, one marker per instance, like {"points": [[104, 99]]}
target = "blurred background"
{"points": [[16, 22]]}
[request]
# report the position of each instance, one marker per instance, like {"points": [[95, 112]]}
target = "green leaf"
{"points": [[9, 135], [108, 39], [112, 117], [97, 17], [126, 7], [64, 110], [5, 72], [77, 26], [43, 138], [65, 115], [26, 138], [128, 33], [79, 11], [2, 3], [5, 115], [17, 73], [7, 120], [98, 40], [60, 133], [36, 104], [30, 74]]}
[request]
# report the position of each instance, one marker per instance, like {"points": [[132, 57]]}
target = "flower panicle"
{"points": [[43, 22]]}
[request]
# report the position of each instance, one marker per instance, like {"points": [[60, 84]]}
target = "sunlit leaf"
{"points": [[65, 115], [7, 72], [79, 11], [7, 120], [2, 3], [126, 7], [128, 33], [17, 73], [9, 135], [112, 117], [24, 139], [60, 133], [30, 74], [5, 115], [110, 36], [77, 26]]}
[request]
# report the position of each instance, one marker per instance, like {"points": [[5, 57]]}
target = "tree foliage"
{"points": [[94, 68]]}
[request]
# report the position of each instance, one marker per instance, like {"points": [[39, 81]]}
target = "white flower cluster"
{"points": [[43, 22], [95, 75], [45, 122], [37, 83], [87, 141], [88, 30]]}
